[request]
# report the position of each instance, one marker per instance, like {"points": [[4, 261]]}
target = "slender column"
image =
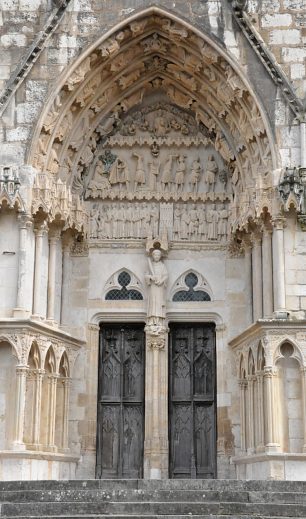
{"points": [[39, 374], [267, 273], [260, 413], [251, 420], [23, 302], [303, 143], [249, 283], [65, 417], [243, 385], [303, 379], [271, 443], [257, 278], [278, 265], [54, 237], [21, 378], [156, 410], [52, 381], [65, 282], [39, 240]]}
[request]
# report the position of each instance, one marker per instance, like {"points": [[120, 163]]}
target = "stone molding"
{"points": [[266, 57], [33, 53]]}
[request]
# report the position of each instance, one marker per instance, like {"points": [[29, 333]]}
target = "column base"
{"points": [[21, 313], [18, 446], [281, 314], [37, 317]]}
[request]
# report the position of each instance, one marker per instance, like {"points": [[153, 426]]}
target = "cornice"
{"points": [[33, 53], [26, 325], [266, 57], [266, 325]]}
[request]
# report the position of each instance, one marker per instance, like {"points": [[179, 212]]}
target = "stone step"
{"points": [[170, 484], [100, 495], [150, 508], [125, 516]]}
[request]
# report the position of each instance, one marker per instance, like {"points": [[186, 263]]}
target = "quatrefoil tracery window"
{"points": [[124, 288], [191, 288]]}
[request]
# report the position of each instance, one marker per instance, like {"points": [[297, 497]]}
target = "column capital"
{"points": [[41, 229], [54, 234], [279, 222], [25, 221], [267, 231]]}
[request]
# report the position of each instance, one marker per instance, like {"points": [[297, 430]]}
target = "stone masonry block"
{"points": [[293, 54], [14, 40], [285, 37], [17, 134], [276, 20], [298, 71], [9, 5]]}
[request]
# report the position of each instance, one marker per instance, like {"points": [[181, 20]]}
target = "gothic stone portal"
{"points": [[192, 401]]}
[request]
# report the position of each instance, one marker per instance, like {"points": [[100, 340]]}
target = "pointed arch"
{"points": [[123, 285], [154, 50], [191, 286]]}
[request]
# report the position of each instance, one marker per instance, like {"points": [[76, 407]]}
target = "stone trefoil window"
{"points": [[191, 293], [124, 293]]}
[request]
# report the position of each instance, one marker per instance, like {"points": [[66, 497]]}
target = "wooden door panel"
{"points": [[192, 401], [120, 402]]}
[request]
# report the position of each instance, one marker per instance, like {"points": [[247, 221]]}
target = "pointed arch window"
{"points": [[124, 292], [191, 290]]}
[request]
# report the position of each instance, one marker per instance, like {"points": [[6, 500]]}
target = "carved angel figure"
{"points": [[156, 281]]}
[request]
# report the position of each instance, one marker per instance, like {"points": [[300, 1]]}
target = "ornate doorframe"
{"points": [[160, 458]]}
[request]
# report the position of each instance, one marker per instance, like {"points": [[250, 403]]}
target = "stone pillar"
{"points": [[249, 282], [279, 268], [251, 416], [303, 377], [257, 278], [267, 281], [39, 374], [24, 295], [65, 418], [272, 444], [65, 309], [39, 238], [21, 379], [90, 420], [303, 143], [260, 424], [243, 387], [53, 240], [156, 408], [52, 385]]}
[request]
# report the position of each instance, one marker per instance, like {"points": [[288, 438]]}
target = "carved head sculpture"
{"points": [[156, 255]]}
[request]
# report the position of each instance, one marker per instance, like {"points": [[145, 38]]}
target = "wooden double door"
{"points": [[192, 401]]}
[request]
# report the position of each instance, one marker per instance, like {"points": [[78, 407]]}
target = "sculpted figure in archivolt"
{"points": [[157, 282]]}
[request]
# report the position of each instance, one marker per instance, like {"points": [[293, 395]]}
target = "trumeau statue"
{"points": [[156, 280]]}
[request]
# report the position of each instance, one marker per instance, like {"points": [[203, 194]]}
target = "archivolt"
{"points": [[156, 52]]}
